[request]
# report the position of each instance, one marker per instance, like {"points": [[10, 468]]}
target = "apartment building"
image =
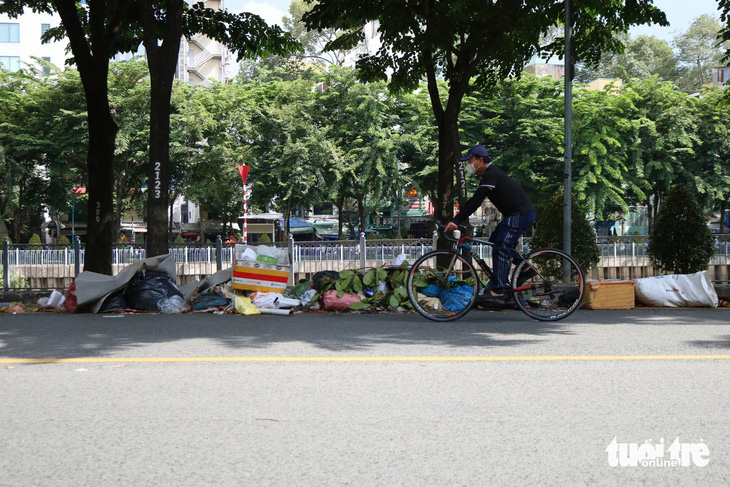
{"points": [[20, 41]]}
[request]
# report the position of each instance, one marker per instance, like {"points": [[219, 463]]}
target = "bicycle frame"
{"points": [[464, 246]]}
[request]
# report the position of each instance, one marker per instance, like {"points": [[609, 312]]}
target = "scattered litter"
{"points": [[147, 292], [172, 305], [209, 302], [275, 311], [244, 306], [70, 302], [333, 302], [306, 298]]}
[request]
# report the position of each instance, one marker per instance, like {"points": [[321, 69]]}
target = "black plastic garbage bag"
{"points": [[147, 289], [317, 277], [114, 302]]}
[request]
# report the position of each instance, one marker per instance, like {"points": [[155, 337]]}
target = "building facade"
{"points": [[20, 41]]}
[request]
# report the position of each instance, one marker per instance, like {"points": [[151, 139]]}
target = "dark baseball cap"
{"points": [[476, 150]]}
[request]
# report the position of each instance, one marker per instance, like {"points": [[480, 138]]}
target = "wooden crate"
{"points": [[609, 295]]}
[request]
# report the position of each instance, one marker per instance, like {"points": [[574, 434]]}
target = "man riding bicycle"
{"points": [[518, 215]]}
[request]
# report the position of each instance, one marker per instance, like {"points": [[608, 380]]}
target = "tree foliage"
{"points": [[463, 40], [549, 231], [99, 30], [681, 242], [699, 52]]}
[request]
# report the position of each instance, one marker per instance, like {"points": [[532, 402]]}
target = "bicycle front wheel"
{"points": [[548, 285], [442, 286]]}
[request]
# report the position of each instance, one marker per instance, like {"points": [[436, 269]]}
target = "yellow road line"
{"points": [[536, 358]]}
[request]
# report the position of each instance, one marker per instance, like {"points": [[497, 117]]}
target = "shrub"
{"points": [[680, 241], [63, 240], [179, 240], [549, 231], [35, 239], [264, 238]]}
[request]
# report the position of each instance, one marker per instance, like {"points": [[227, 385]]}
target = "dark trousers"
{"points": [[505, 238]]}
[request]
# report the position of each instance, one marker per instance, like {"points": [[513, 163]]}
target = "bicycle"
{"points": [[443, 285]]}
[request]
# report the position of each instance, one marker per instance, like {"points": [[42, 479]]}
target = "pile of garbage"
{"points": [[150, 286]]}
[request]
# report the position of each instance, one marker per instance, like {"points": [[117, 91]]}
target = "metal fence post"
{"points": [[435, 239], [219, 253], [363, 251], [77, 256], [6, 264], [291, 260]]}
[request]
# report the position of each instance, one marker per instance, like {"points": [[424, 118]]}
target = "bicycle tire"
{"points": [[557, 289], [454, 288]]}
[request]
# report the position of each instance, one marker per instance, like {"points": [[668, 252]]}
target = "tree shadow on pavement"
{"points": [[87, 335], [720, 342]]}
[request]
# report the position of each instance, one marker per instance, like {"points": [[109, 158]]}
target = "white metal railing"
{"points": [[38, 266]]}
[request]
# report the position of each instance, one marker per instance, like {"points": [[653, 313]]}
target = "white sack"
{"points": [[677, 290]]}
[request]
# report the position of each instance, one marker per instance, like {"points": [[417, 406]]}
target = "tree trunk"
{"points": [[649, 216], [100, 222], [162, 60], [447, 120], [92, 60], [360, 216], [340, 216], [287, 216]]}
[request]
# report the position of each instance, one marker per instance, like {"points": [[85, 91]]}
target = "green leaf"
{"points": [[346, 273], [359, 305], [369, 278], [394, 301], [357, 284]]}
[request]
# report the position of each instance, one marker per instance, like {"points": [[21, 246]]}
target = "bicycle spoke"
{"points": [[554, 291], [441, 286]]}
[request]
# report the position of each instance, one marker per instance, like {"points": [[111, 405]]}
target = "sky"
{"points": [[680, 14]]}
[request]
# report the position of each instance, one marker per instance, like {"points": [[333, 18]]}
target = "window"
{"points": [[11, 63], [44, 28], [9, 32], [46, 70]]}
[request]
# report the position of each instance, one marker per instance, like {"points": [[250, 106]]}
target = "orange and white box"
{"points": [[250, 275]]}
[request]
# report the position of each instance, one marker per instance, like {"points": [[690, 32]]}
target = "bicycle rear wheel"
{"points": [[442, 286], [556, 288]]}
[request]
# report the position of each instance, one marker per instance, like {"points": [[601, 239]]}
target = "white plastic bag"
{"points": [[265, 300], [55, 300], [245, 253], [172, 305], [281, 255], [677, 290]]}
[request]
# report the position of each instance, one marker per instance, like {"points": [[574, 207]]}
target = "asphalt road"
{"points": [[391, 399]]}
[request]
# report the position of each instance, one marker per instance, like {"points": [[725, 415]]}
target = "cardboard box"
{"points": [[250, 275], [609, 295]]}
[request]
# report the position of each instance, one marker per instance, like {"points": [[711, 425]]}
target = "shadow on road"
{"points": [[87, 335]]}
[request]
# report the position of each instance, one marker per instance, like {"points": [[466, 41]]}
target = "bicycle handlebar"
{"points": [[441, 228]]}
